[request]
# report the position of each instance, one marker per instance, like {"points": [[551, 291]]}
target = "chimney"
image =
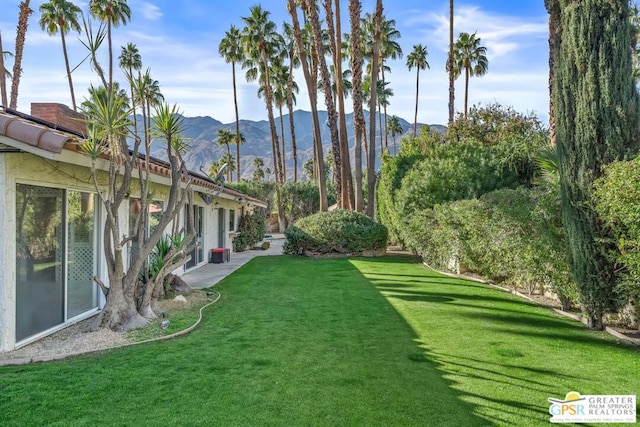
{"points": [[60, 115]]}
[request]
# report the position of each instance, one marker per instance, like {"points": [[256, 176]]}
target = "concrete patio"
{"points": [[210, 274]]}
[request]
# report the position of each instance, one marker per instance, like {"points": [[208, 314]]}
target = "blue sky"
{"points": [[178, 40]]}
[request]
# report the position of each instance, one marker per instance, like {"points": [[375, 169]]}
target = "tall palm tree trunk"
{"points": [[450, 62], [328, 97], [386, 129], [371, 176], [466, 91], [554, 25], [356, 79], [235, 105], [292, 127], [284, 149], [277, 165], [415, 117], [3, 77], [66, 63], [380, 126], [311, 83], [21, 32]]}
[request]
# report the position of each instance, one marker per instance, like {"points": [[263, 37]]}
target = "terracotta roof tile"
{"points": [[33, 134]]}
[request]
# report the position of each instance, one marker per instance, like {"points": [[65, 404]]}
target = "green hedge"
{"points": [[251, 229], [509, 236], [617, 201], [339, 231]]}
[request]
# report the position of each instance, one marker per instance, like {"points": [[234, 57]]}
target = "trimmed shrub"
{"points": [[251, 229], [505, 236], [339, 231], [617, 201]]}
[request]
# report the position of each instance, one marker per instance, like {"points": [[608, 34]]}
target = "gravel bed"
{"points": [[73, 339]]}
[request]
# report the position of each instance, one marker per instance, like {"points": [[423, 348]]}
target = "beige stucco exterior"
{"points": [[70, 170]]}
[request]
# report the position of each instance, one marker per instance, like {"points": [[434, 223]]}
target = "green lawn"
{"points": [[295, 341]]}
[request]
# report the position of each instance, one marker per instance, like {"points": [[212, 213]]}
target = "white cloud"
{"points": [[149, 10]]}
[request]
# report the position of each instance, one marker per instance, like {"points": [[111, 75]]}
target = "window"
{"points": [[232, 220]]}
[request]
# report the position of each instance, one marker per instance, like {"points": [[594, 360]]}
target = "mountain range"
{"points": [[202, 134]]}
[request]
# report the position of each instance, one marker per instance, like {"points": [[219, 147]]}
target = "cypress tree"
{"points": [[596, 119]]}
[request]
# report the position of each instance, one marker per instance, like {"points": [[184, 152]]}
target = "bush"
{"points": [[505, 236], [617, 201], [452, 172], [339, 231], [251, 229]]}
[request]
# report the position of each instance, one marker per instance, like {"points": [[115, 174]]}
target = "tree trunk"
{"points": [[66, 63], [311, 84], [371, 175], [356, 83], [21, 32], [229, 176], [120, 312], [466, 90], [294, 149], [554, 16], [348, 200], [235, 104], [415, 117], [450, 61], [328, 97], [284, 148]]}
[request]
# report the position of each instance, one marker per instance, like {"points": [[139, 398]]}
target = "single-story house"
{"points": [[51, 223]]}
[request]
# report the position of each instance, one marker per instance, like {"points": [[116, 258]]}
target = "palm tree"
{"points": [[114, 13], [471, 57], [335, 48], [289, 47], [375, 56], [280, 76], [21, 33], [225, 137], [147, 94], [389, 48], [309, 72], [131, 60], [355, 48], [260, 41], [61, 16], [258, 169], [230, 48], [417, 59], [449, 66], [319, 53], [228, 159], [395, 128], [239, 140]]}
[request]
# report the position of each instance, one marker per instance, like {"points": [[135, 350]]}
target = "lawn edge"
{"points": [[576, 317], [54, 357]]}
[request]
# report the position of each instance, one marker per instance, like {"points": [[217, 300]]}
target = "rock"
{"points": [[174, 285], [180, 298]]}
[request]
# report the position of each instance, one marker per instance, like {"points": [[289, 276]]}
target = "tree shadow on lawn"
{"points": [[515, 394]]}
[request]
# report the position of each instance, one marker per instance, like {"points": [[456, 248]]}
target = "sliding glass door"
{"points": [[39, 259], [55, 257]]}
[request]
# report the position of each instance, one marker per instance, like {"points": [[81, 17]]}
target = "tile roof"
{"points": [[39, 133], [33, 133]]}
